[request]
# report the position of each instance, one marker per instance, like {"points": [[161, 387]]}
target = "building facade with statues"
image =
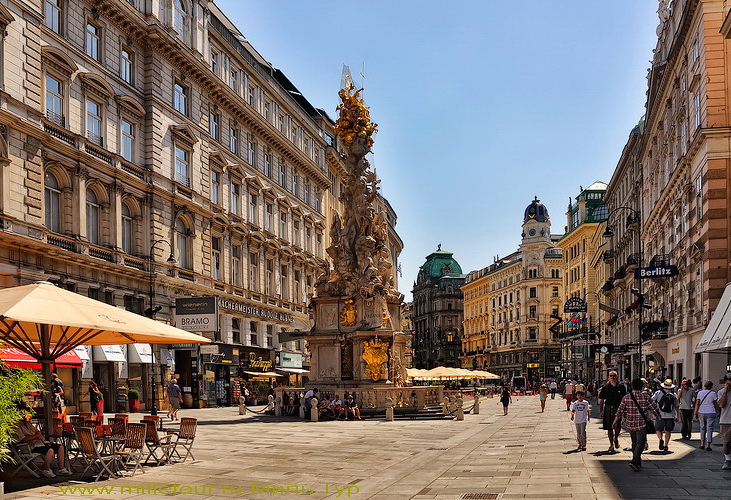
{"points": [[149, 154], [508, 306]]}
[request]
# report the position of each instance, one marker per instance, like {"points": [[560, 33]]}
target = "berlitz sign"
{"points": [[642, 273]]}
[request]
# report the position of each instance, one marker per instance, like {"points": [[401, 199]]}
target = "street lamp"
{"points": [[153, 309], [634, 217]]}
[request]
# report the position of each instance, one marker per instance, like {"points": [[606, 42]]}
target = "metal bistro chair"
{"points": [[154, 443], [24, 458], [99, 463], [184, 437], [134, 447]]}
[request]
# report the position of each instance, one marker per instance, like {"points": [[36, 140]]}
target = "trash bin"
{"points": [[121, 399], [188, 400]]}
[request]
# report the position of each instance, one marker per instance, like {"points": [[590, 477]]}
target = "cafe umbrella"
{"points": [[46, 321]]}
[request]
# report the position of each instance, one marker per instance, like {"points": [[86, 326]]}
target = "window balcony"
{"points": [[608, 255], [660, 260], [634, 260], [56, 118]]}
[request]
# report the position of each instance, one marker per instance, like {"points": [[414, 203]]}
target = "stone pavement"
{"points": [[526, 454]]}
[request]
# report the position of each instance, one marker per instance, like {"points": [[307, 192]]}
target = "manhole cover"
{"points": [[479, 496]]}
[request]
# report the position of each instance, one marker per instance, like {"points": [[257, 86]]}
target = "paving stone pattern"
{"points": [[526, 454]]}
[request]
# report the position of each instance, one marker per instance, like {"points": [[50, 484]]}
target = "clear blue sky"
{"points": [[481, 104]]}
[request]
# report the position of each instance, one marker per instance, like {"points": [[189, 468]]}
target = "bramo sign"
{"points": [[642, 273], [198, 314]]}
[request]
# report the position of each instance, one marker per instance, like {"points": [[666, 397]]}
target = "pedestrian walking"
{"points": [[705, 413], [668, 403], [96, 399], [543, 396], [609, 398], [506, 399], [724, 404], [580, 416], [553, 386], [568, 392], [172, 394], [637, 409], [686, 395]]}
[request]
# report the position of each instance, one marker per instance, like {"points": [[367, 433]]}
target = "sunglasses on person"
{"points": [[612, 376]]}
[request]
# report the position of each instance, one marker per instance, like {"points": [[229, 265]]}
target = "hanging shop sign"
{"points": [[575, 305], [198, 314], [255, 311], [256, 359], [642, 273]]}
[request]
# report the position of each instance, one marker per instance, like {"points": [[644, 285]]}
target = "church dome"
{"points": [[438, 264], [536, 211]]}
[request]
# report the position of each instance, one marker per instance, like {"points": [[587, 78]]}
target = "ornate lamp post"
{"points": [[153, 309], [634, 217]]}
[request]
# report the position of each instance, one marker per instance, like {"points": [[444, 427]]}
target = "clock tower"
{"points": [[536, 223]]}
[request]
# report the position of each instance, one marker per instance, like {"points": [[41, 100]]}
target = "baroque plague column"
{"points": [[356, 340]]}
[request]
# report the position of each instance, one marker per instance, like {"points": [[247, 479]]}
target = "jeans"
{"points": [[707, 420], [581, 434], [687, 418], [639, 438], [553, 393]]}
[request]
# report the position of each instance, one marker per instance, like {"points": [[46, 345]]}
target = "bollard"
{"points": [[278, 407], [314, 412], [389, 410], [476, 408], [302, 408], [460, 411], [242, 405]]}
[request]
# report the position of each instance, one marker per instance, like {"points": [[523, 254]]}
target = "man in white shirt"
{"points": [[724, 402], [553, 386], [568, 392], [308, 400], [668, 403]]}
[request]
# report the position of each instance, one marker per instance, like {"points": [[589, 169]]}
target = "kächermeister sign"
{"points": [[255, 311], [200, 314]]}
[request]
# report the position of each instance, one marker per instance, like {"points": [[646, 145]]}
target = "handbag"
{"points": [[649, 425]]}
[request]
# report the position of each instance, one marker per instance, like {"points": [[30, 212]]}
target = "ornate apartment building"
{"points": [[581, 331], [437, 312], [675, 173], [508, 306], [133, 130]]}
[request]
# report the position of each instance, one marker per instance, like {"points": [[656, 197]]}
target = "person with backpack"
{"points": [[705, 412], [668, 403]]}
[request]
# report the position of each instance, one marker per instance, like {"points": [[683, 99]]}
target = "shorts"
{"points": [[174, 402], [569, 397], [610, 413], [664, 424], [47, 446], [726, 433]]}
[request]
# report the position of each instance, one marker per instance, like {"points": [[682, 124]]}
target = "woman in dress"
{"points": [[506, 399], [543, 396], [96, 398]]}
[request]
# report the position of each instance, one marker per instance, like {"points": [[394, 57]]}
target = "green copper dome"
{"points": [[438, 264]]}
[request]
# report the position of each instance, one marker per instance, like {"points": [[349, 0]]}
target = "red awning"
{"points": [[15, 358]]}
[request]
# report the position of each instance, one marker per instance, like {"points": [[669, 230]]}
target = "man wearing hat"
{"points": [[724, 402], [669, 414]]}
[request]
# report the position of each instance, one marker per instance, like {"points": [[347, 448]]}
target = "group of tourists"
{"points": [[331, 407], [645, 410]]}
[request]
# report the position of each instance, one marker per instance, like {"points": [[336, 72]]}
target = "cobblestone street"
{"points": [[526, 454]]}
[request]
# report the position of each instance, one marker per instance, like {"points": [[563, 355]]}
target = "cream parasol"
{"points": [[46, 321]]}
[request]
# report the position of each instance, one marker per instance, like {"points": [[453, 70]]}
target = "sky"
{"points": [[481, 104]]}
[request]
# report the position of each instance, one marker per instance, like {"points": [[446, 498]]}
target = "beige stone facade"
{"points": [[675, 172], [579, 245], [508, 306], [136, 129]]}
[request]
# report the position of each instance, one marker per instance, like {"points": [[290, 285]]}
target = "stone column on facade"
{"points": [[79, 203]]}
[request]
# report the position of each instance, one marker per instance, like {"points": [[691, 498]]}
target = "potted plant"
{"points": [[133, 395]]}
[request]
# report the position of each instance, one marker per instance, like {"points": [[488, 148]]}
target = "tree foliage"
{"points": [[14, 383]]}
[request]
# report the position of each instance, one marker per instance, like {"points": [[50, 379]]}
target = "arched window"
{"points": [[126, 229], [93, 211], [180, 18], [52, 203], [182, 245]]}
